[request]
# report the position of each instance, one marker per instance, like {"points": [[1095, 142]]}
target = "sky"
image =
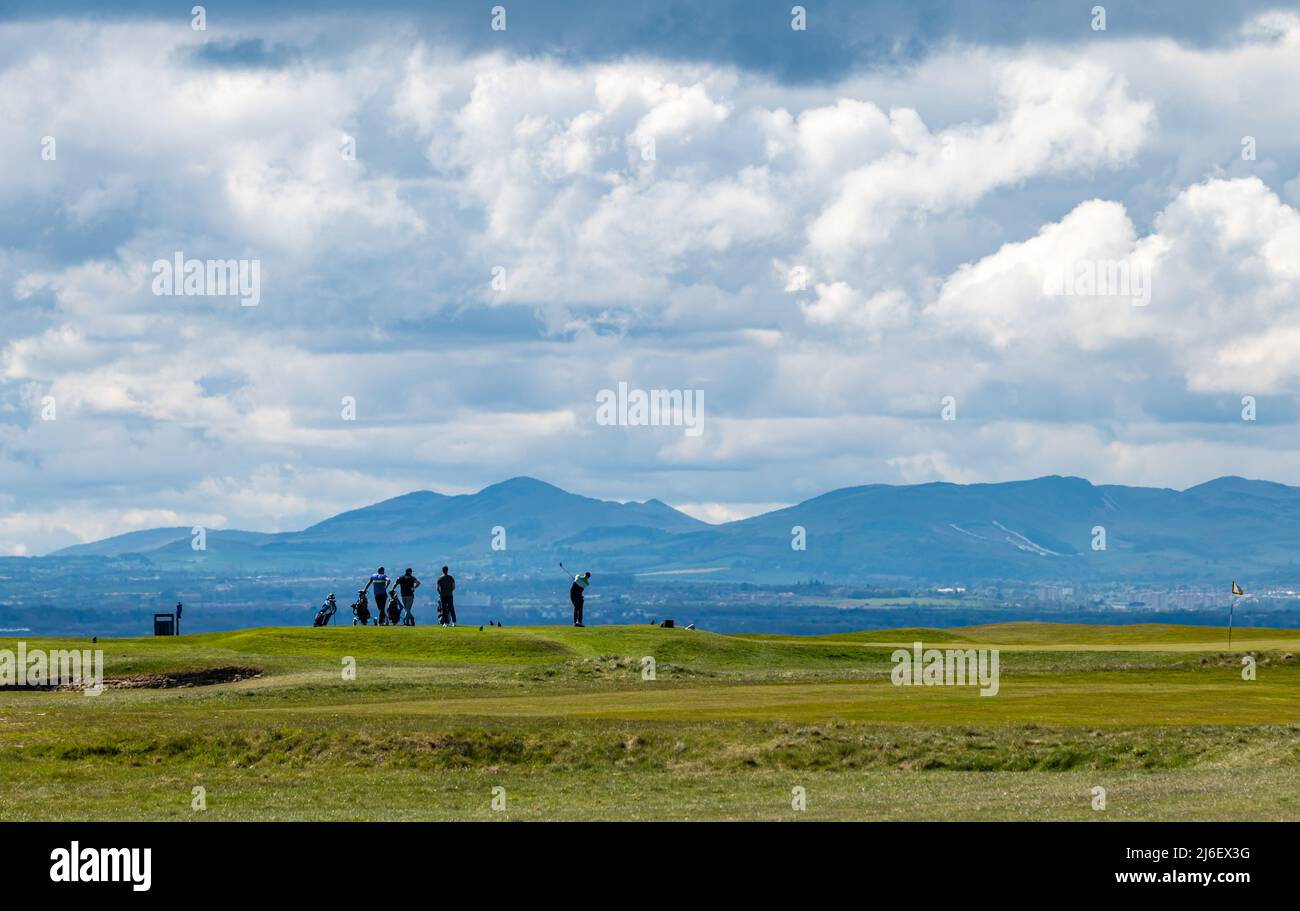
{"points": [[911, 242]]}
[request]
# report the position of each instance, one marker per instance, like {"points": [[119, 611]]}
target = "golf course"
{"points": [[644, 723]]}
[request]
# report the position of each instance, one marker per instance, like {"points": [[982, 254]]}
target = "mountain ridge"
{"points": [[1051, 527]]}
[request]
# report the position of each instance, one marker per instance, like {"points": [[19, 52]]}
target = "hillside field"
{"points": [[565, 723]]}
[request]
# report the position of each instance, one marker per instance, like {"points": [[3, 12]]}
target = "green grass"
{"points": [[564, 721], [1140, 636]]}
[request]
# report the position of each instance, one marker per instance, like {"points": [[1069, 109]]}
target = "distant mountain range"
{"points": [[1043, 529]]}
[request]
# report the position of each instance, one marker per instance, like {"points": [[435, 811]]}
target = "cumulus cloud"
{"points": [[1052, 120], [1211, 293], [516, 232]]}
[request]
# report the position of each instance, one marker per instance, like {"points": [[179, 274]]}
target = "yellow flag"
{"points": [[1236, 589]]}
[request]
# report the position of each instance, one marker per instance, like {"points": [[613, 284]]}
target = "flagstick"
{"points": [[1231, 605]]}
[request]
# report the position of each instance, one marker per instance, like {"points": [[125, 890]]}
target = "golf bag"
{"points": [[394, 611], [325, 614], [361, 610]]}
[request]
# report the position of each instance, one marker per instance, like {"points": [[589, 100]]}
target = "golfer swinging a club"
{"points": [[580, 582]]}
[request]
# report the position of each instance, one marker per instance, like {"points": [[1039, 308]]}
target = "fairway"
{"points": [[1138, 697], [648, 723]]}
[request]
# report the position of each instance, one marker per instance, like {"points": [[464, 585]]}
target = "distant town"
{"points": [[119, 596]]}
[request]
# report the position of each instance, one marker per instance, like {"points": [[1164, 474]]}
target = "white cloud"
{"points": [[1223, 267], [926, 207], [1053, 120], [718, 513]]}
